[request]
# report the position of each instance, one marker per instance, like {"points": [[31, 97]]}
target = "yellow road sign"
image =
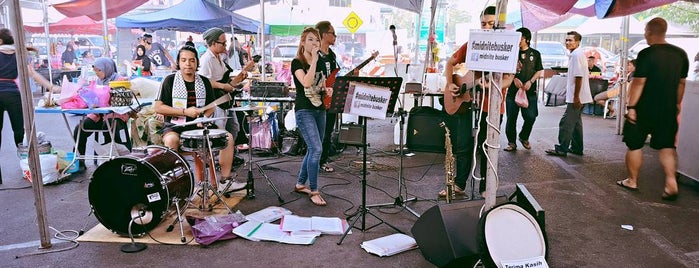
{"points": [[352, 22]]}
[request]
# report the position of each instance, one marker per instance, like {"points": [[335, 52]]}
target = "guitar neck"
{"points": [[361, 65]]}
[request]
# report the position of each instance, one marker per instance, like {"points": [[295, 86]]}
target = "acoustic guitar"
{"points": [[330, 81], [452, 104]]}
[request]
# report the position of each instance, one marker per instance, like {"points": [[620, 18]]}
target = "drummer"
{"points": [[181, 97]]}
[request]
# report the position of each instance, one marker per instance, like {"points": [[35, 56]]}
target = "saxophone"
{"points": [[448, 165]]}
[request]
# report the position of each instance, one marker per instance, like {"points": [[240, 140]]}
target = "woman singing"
{"points": [[310, 112]]}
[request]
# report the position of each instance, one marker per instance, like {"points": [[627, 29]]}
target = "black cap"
{"points": [[147, 35], [525, 33]]}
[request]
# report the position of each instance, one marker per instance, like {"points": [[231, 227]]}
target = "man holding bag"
{"points": [[529, 70]]}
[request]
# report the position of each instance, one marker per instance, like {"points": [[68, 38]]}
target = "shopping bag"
{"points": [[521, 98]]}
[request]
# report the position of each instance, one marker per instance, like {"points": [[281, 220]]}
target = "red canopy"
{"points": [[77, 25], [93, 8]]}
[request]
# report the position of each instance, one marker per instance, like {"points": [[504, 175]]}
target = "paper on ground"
{"points": [[389, 245]]}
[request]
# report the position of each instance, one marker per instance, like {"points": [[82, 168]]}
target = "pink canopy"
{"points": [[93, 8], [76, 25]]}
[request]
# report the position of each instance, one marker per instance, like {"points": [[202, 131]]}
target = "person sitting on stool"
{"points": [[180, 99]]}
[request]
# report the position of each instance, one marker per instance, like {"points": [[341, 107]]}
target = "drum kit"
{"points": [[141, 188]]}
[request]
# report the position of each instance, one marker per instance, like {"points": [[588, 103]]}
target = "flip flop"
{"points": [[303, 189], [320, 202], [622, 184], [669, 197]]}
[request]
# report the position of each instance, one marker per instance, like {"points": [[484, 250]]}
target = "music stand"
{"points": [[340, 89]]}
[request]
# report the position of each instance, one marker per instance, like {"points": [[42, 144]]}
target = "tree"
{"points": [[681, 12]]}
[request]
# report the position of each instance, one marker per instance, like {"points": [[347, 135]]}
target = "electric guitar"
{"points": [[452, 104], [330, 80]]}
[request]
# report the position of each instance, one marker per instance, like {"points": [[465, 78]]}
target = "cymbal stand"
{"points": [[362, 210], [250, 187], [399, 201]]}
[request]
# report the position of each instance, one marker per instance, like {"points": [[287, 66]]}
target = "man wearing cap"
{"points": [[525, 79], [157, 53], [214, 66]]}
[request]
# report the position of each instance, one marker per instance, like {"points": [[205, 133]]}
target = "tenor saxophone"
{"points": [[449, 172]]}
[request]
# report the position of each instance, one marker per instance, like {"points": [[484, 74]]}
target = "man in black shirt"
{"points": [[530, 70], [654, 103]]}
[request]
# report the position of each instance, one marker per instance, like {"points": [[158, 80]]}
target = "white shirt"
{"points": [[210, 67], [577, 67]]}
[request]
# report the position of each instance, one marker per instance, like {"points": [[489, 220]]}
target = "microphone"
{"points": [[320, 54], [393, 31]]}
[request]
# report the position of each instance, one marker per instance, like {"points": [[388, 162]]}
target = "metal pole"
{"points": [[105, 29], [45, 5], [623, 56], [28, 116], [492, 141], [261, 39]]}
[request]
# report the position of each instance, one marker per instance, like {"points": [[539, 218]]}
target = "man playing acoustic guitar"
{"points": [[457, 103]]}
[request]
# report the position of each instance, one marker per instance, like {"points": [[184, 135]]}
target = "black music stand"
{"points": [[337, 105]]}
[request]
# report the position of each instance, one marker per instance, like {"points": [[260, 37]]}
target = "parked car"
{"points": [[284, 52], [553, 54]]}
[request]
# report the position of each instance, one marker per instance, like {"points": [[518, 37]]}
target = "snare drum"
{"points": [[509, 233], [193, 140], [144, 183]]}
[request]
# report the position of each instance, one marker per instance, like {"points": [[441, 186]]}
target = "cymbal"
{"points": [[202, 120], [249, 108]]}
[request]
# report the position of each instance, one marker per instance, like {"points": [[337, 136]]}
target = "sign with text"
{"points": [[367, 100], [536, 262], [493, 51]]}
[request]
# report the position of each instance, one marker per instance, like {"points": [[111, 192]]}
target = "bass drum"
{"points": [[509, 233], [142, 184]]}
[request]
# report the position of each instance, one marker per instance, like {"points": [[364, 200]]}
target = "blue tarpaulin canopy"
{"points": [[191, 16]]}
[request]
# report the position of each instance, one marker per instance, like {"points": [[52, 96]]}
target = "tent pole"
{"points": [[48, 39], [261, 39], [105, 28], [29, 127], [623, 57]]}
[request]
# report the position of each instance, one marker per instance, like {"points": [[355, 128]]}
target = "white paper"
{"points": [[272, 232], [326, 225], [291, 223], [268, 214], [389, 245], [627, 227], [245, 229]]}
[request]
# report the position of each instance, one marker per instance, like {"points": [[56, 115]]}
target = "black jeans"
{"points": [[461, 134], [529, 115], [330, 119], [12, 103]]}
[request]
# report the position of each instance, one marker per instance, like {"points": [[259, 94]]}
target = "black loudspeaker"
{"points": [[424, 134], [446, 233]]}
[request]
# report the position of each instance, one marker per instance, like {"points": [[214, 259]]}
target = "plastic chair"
{"points": [[606, 106], [120, 126]]}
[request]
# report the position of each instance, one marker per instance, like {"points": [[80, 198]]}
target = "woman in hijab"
{"points": [[141, 60], [105, 69], [68, 56]]}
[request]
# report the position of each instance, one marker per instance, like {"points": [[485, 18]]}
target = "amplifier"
{"points": [[424, 132], [351, 134], [269, 89]]}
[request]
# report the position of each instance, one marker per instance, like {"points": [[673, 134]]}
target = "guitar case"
{"points": [[424, 134]]}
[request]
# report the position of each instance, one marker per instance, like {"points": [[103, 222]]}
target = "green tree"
{"points": [[681, 12]]}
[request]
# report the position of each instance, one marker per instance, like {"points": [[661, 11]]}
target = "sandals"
{"points": [[318, 201], [302, 189], [457, 191], [326, 168], [525, 144], [511, 147], [623, 184]]}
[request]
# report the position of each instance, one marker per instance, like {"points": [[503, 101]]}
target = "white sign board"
{"points": [[493, 51], [367, 100]]}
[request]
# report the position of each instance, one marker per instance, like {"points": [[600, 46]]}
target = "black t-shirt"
{"points": [[663, 66], [595, 69], [531, 63], [166, 93], [327, 63], [302, 102]]}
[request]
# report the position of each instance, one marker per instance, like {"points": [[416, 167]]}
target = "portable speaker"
{"points": [[446, 233], [424, 134], [351, 134]]}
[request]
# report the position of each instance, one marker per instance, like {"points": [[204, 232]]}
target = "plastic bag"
{"points": [[521, 98], [49, 173], [68, 91], [95, 95]]}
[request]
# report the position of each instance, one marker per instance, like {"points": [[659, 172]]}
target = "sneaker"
{"points": [[510, 147], [556, 152], [525, 144], [231, 186]]}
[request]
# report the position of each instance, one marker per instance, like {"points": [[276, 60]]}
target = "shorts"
{"points": [[662, 135], [170, 127]]}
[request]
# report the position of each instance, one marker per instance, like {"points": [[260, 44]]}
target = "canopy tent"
{"points": [[93, 8], [180, 17], [410, 5], [76, 25]]}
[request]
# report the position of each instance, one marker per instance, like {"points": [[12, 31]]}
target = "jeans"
{"points": [[12, 103], [529, 115], [570, 132], [330, 119], [311, 124]]}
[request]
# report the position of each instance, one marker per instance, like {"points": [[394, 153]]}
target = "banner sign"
{"points": [[493, 51], [367, 100]]}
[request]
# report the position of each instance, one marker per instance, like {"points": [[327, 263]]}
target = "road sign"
{"points": [[352, 22]]}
